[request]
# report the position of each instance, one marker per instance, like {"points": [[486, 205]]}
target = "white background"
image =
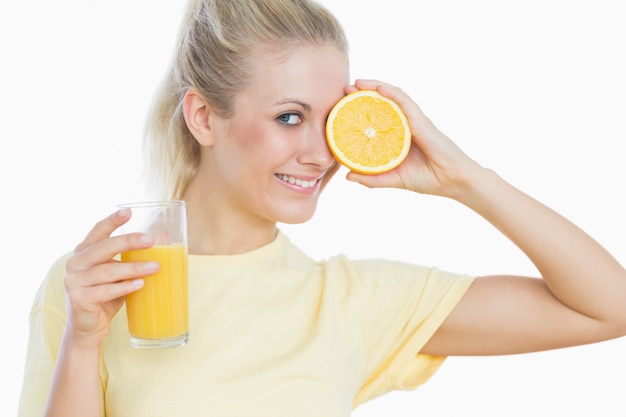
{"points": [[535, 90]]}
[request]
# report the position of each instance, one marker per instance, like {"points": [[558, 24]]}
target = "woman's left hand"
{"points": [[435, 164], [582, 297]]}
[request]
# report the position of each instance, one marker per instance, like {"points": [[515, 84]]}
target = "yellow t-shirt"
{"points": [[272, 333]]}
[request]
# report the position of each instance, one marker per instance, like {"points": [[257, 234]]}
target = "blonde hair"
{"points": [[216, 39]]}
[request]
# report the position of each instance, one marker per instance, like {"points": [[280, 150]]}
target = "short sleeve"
{"points": [[47, 323], [402, 307]]}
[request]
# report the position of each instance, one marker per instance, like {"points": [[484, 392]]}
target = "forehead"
{"points": [[314, 74]]}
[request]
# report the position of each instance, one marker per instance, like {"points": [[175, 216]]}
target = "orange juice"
{"points": [[159, 310]]}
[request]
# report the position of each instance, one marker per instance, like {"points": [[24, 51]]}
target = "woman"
{"points": [[238, 132]]}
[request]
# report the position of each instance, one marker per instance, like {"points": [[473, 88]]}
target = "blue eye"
{"points": [[290, 118]]}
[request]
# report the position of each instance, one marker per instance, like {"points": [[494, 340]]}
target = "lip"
{"points": [[294, 182]]}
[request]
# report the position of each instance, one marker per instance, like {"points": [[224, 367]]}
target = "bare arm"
{"points": [[582, 296], [76, 388], [95, 286], [581, 299]]}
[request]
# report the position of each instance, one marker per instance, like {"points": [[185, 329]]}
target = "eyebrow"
{"points": [[291, 100]]}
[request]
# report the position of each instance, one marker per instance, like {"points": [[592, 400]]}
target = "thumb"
{"points": [[368, 180]]}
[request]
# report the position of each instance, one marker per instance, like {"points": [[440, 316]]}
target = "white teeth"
{"points": [[297, 181]]}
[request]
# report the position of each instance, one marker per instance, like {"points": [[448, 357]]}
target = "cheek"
{"points": [[330, 174], [247, 134], [253, 144], [265, 143], [253, 135], [238, 146]]}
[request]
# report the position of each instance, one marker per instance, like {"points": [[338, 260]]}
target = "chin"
{"points": [[296, 217]]}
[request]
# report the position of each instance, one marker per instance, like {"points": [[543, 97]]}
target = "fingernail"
{"points": [[151, 266], [146, 239], [352, 179], [136, 283], [122, 212]]}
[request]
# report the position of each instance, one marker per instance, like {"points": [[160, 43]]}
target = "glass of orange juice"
{"points": [[158, 313]]}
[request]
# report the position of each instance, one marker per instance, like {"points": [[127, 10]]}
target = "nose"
{"points": [[315, 149]]}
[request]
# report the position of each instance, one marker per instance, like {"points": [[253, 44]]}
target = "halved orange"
{"points": [[368, 133]]}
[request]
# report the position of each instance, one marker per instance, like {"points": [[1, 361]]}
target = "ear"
{"points": [[196, 112]]}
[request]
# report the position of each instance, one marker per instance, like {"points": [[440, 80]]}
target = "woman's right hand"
{"points": [[96, 283]]}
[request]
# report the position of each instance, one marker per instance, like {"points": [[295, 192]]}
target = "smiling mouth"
{"points": [[297, 181]]}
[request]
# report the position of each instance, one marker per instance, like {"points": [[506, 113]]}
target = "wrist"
{"points": [[78, 344], [468, 182]]}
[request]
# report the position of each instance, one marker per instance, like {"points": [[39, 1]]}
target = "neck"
{"points": [[215, 228]]}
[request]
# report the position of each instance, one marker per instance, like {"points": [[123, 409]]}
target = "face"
{"points": [[270, 159]]}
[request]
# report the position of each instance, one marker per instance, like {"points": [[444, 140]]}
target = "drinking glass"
{"points": [[158, 313]]}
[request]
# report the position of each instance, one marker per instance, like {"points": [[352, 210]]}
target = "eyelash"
{"points": [[284, 118]]}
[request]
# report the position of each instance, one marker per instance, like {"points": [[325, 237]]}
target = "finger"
{"points": [[350, 89], [110, 272], [419, 123], [386, 179], [104, 228], [368, 84], [103, 251], [409, 106], [101, 294]]}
